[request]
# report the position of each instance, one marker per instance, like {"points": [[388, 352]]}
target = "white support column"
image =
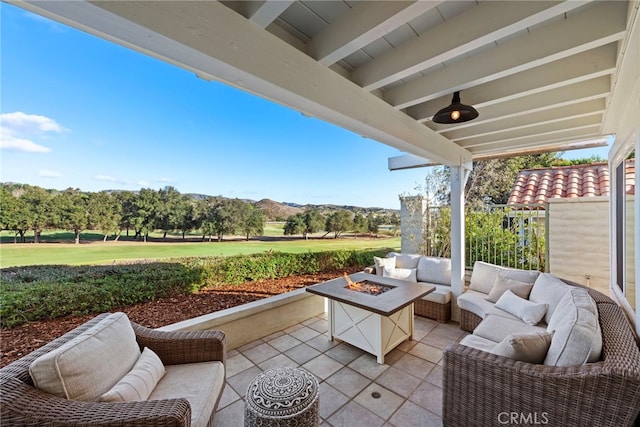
{"points": [[459, 175]]}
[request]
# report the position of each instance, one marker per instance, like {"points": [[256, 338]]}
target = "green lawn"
{"points": [[101, 253]]}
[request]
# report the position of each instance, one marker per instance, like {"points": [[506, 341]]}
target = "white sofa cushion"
{"points": [[577, 336], [503, 283], [530, 312], [200, 383], [497, 328], [381, 263], [528, 347], [548, 289], [138, 384], [476, 303], [405, 260], [484, 275], [90, 364], [408, 274], [478, 342], [434, 270], [442, 294]]}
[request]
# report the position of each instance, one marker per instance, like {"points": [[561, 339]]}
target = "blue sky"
{"points": [[78, 111]]}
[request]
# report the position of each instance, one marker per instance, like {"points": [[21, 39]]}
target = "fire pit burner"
{"points": [[366, 286]]}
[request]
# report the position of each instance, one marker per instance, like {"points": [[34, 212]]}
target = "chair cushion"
{"points": [[530, 312], [408, 274], [405, 260], [478, 342], [577, 336], [434, 270], [442, 294], [138, 384], [90, 364], [476, 303], [381, 263], [549, 290], [484, 275], [200, 383], [497, 328], [528, 347], [503, 283]]}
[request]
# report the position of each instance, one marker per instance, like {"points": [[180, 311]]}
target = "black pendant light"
{"points": [[456, 112]]}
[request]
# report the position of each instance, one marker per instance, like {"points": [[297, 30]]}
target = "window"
{"points": [[625, 224]]}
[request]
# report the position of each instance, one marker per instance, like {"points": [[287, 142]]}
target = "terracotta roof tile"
{"points": [[540, 185]]}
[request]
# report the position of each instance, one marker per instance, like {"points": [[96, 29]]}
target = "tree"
{"points": [[359, 224], [71, 212], [105, 213], [294, 225], [40, 205], [144, 209], [189, 219], [14, 214], [373, 222], [225, 216], [313, 222], [170, 210], [252, 221], [338, 222]]}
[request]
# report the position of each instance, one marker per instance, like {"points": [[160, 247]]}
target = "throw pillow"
{"points": [[528, 347], [408, 274], [381, 263], [434, 270], [90, 364], [529, 312], [405, 260], [138, 384], [548, 289], [503, 283]]}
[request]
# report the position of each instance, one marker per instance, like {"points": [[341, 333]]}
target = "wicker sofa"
{"points": [[194, 361], [429, 270], [483, 388]]}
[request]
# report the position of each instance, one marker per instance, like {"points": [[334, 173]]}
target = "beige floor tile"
{"points": [[231, 416], [368, 366], [379, 400], [237, 364], [398, 381], [229, 396], [414, 365], [279, 361], [344, 353], [355, 415], [322, 366], [411, 415], [429, 397], [348, 381], [241, 381], [284, 342], [304, 333], [260, 353], [427, 352], [322, 342], [302, 353], [330, 400]]}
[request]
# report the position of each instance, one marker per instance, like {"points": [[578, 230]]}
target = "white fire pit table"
{"points": [[375, 323]]}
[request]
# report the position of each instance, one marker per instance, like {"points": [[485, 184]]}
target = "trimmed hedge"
{"points": [[50, 291]]}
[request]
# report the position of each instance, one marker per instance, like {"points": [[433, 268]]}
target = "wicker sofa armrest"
{"points": [[481, 388], [179, 347], [24, 405]]}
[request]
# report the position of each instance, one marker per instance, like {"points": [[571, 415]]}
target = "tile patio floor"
{"points": [[410, 381]]}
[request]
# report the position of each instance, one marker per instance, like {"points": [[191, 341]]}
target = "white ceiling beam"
{"points": [[594, 26], [573, 69], [362, 25], [579, 142], [408, 161], [536, 131], [577, 93], [215, 41], [477, 27], [533, 119], [266, 12], [560, 140]]}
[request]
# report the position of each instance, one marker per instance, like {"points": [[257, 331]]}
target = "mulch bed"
{"points": [[18, 341]]}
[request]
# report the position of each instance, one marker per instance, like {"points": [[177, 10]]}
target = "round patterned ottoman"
{"points": [[282, 397]]}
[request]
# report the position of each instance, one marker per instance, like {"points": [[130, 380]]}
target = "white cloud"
{"points": [[10, 142], [16, 130], [105, 178], [143, 183], [49, 174]]}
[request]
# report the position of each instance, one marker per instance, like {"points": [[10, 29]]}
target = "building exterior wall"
{"points": [[412, 221], [579, 241]]}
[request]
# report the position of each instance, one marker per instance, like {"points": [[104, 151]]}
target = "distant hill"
{"points": [[277, 211]]}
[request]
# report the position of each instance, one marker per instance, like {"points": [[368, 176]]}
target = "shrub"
{"points": [[49, 291]]}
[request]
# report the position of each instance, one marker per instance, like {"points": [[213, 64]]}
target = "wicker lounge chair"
{"points": [[23, 404]]}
